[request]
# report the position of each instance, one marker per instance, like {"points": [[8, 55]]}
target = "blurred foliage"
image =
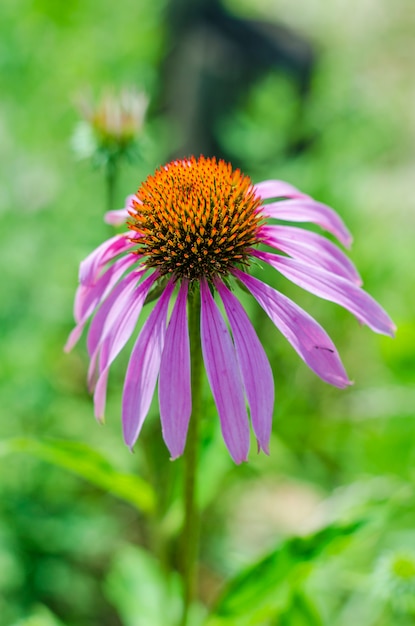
{"points": [[272, 587], [89, 464], [81, 541]]}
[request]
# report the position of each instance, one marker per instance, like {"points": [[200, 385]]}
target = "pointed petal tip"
{"points": [[73, 338], [174, 457], [348, 240], [99, 404], [387, 327], [264, 447], [239, 460], [392, 330], [128, 439], [175, 452], [340, 383]]}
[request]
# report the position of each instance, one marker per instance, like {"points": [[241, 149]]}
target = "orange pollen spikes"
{"points": [[196, 218]]}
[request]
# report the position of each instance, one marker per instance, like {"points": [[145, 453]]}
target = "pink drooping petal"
{"points": [[268, 189], [113, 333], [308, 210], [120, 216], [306, 336], [121, 330], [88, 297], [100, 395], [86, 294], [116, 330], [143, 369], [331, 287], [116, 217], [224, 376], [92, 375], [254, 365], [114, 307], [174, 380], [91, 267], [115, 339], [310, 247], [74, 337]]}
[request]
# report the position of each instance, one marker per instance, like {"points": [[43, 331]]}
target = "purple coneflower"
{"points": [[196, 226]]}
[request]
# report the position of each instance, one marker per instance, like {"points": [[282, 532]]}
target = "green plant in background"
{"points": [[110, 132], [104, 524], [196, 225]]}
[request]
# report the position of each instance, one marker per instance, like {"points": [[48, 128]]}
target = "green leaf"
{"points": [[41, 616], [263, 590], [88, 464], [300, 612], [141, 591]]}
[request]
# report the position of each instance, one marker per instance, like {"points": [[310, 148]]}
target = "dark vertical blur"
{"points": [[213, 59]]}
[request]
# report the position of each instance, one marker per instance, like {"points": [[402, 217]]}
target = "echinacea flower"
{"points": [[196, 224]]}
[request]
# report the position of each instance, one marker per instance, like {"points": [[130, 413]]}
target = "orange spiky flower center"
{"points": [[196, 218]]}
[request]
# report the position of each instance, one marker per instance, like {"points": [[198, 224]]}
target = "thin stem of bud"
{"points": [[111, 172]]}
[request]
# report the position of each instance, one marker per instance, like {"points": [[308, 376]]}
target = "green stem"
{"points": [[111, 182], [191, 526]]}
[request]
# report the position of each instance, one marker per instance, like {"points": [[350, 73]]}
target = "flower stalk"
{"points": [[191, 525], [111, 182]]}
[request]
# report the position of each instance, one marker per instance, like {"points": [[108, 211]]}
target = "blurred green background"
{"points": [[78, 524]]}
